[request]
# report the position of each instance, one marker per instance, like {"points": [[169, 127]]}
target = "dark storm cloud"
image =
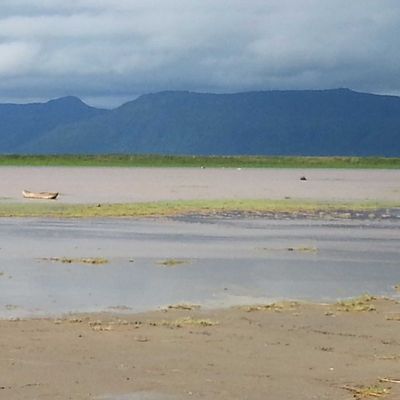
{"points": [[114, 49]]}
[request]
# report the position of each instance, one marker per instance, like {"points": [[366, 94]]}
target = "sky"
{"points": [[111, 51]]}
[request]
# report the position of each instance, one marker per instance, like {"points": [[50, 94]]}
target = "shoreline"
{"points": [[358, 303]]}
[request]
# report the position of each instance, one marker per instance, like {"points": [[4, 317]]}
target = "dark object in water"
{"points": [[303, 178], [39, 195]]}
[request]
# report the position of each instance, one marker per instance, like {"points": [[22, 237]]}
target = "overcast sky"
{"points": [[109, 51]]}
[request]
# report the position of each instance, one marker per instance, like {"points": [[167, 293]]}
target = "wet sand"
{"points": [[297, 352], [116, 185]]}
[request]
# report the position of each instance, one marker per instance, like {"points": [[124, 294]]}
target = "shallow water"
{"points": [[227, 261]]}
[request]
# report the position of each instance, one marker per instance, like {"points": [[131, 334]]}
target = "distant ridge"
{"points": [[304, 122], [25, 124]]}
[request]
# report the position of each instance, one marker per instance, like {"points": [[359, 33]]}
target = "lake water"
{"points": [[118, 185], [226, 262]]}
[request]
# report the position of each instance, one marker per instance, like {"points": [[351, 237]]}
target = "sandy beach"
{"points": [[287, 351]]}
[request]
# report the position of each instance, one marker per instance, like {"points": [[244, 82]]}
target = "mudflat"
{"points": [[123, 185]]}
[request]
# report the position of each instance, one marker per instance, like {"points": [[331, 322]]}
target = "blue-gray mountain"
{"points": [[23, 125], [324, 122]]}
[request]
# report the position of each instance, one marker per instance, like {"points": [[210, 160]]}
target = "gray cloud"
{"points": [[107, 51]]}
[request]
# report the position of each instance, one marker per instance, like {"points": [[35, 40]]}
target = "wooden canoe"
{"points": [[39, 195]]}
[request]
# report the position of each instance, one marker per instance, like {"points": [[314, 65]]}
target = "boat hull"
{"points": [[39, 195]]}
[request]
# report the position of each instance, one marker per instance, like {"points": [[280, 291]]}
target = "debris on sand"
{"points": [[362, 303], [99, 326], [142, 339], [363, 392], [389, 380], [190, 321], [394, 357], [393, 317], [275, 307]]}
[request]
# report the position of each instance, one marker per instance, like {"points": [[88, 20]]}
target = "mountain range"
{"points": [[302, 122]]}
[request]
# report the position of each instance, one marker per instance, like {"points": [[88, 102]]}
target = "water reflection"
{"points": [[225, 262]]}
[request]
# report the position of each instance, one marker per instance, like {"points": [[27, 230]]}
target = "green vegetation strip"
{"points": [[189, 207], [115, 160]]}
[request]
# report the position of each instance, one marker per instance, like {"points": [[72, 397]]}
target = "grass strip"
{"points": [[149, 160], [188, 207]]}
